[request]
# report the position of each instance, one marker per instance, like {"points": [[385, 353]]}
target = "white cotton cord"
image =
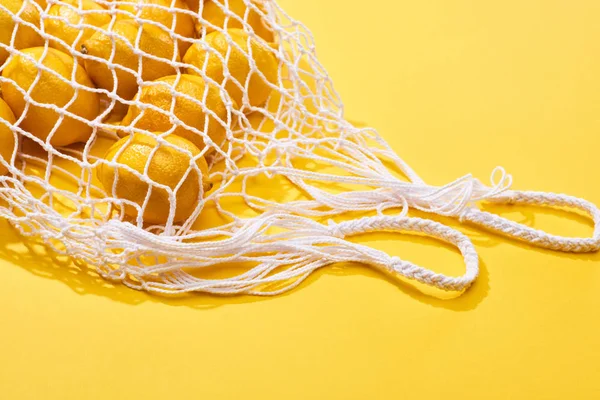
{"points": [[538, 237], [449, 200], [284, 258], [408, 269], [457, 199]]}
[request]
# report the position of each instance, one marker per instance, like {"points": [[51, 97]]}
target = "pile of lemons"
{"points": [[142, 50]]}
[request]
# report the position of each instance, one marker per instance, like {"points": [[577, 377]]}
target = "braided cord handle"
{"points": [[534, 236], [406, 268]]}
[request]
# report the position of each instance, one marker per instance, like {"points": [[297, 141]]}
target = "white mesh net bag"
{"points": [[233, 153]]}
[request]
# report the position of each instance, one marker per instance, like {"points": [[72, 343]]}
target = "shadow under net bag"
{"points": [[161, 141]]}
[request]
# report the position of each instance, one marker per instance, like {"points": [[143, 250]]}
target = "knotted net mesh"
{"points": [[159, 140]]}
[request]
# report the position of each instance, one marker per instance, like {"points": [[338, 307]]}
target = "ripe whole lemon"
{"points": [[6, 135], [214, 17], [25, 36], [168, 166], [158, 93], [50, 89], [238, 64], [63, 16], [152, 40], [153, 10]]}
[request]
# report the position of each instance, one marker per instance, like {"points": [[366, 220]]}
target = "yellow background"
{"points": [[456, 87]]}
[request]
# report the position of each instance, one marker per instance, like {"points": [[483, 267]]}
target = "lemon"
{"points": [[112, 110], [25, 36], [50, 89], [151, 10], [238, 64], [64, 16], [158, 93], [193, 4], [168, 166], [152, 40], [7, 139], [214, 17]]}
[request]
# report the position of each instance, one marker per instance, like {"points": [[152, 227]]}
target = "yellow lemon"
{"points": [[152, 40], [191, 113], [237, 62], [169, 166], [64, 16], [25, 36], [51, 88], [7, 139], [193, 4], [214, 16], [112, 111], [154, 10]]}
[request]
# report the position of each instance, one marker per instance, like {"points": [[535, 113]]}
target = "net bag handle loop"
{"points": [[408, 269], [534, 236], [457, 199], [306, 244]]}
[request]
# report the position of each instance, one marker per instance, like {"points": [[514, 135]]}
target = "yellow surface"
{"points": [[456, 87]]}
